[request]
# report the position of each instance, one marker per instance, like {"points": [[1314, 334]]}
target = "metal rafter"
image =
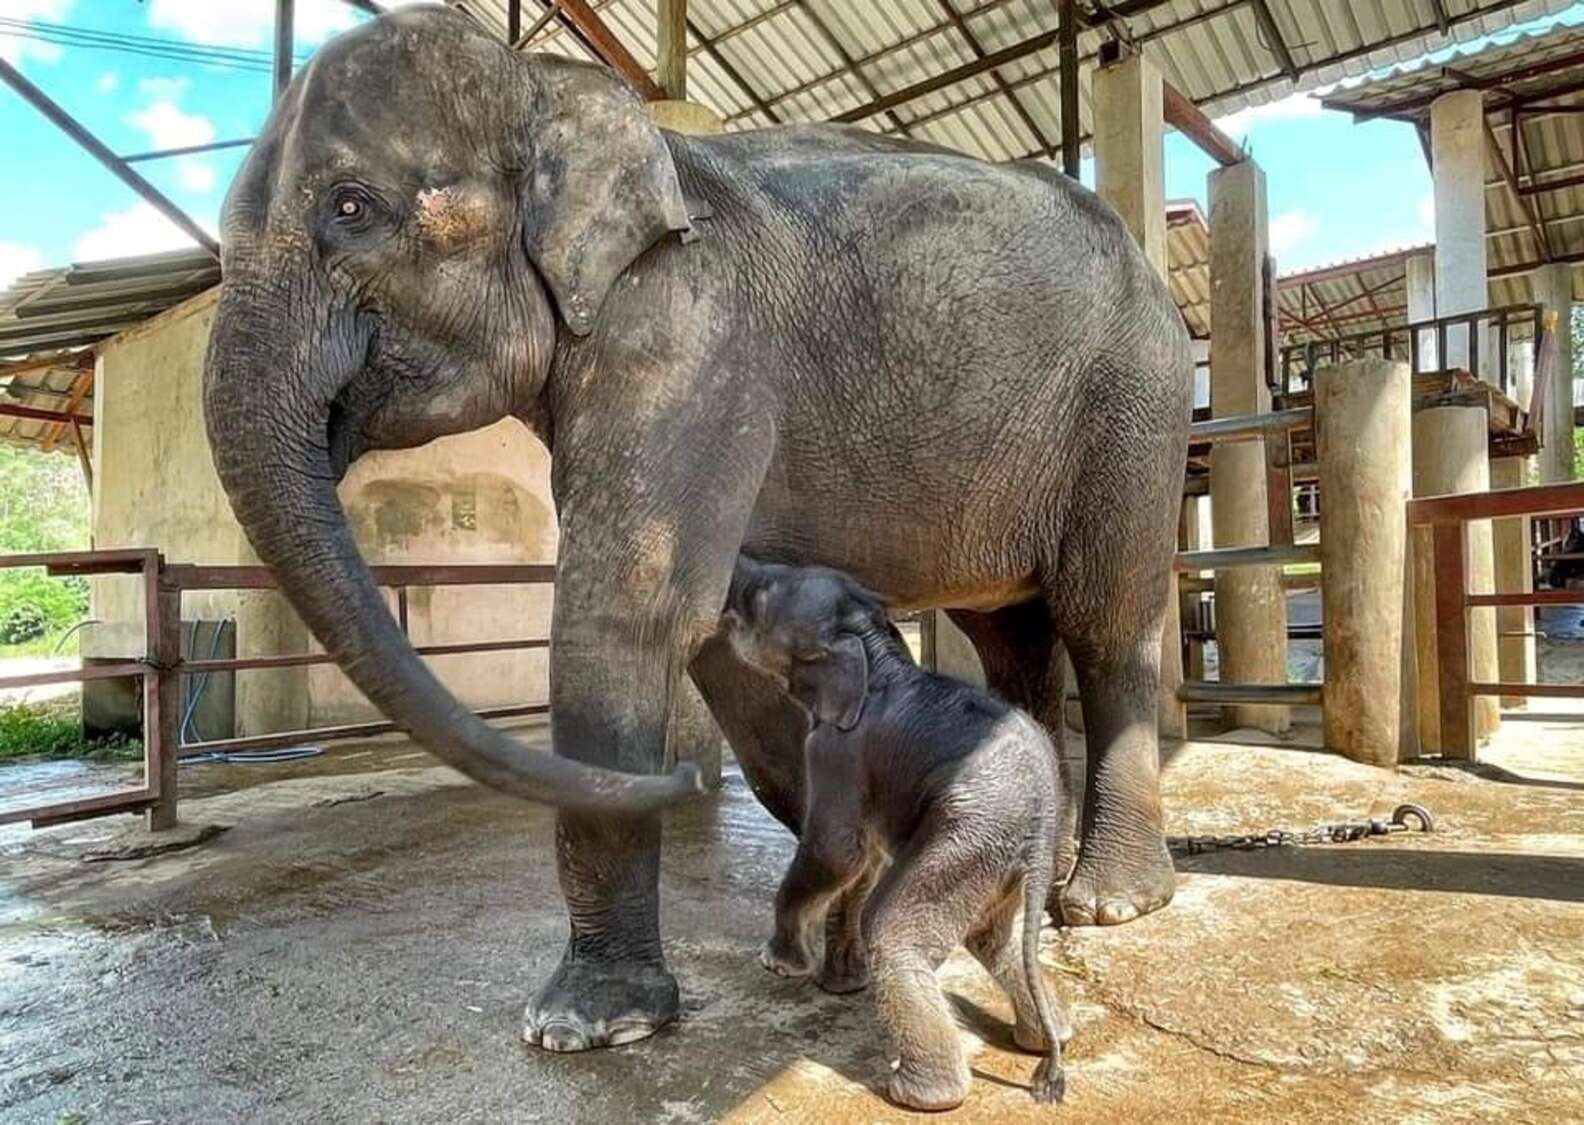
{"points": [[578, 15], [961, 24], [1067, 52], [849, 62], [671, 48], [96, 148], [1277, 45], [284, 13], [734, 75], [1536, 227]]}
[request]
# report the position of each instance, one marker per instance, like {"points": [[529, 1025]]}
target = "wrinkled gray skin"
{"points": [[961, 383], [957, 788]]}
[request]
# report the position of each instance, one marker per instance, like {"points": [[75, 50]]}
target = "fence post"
{"points": [[162, 695], [1363, 435], [1452, 639]]}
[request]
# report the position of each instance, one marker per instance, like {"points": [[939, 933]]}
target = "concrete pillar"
{"points": [[1420, 277], [685, 117], [1193, 534], [1130, 176], [1457, 140], [1129, 161], [1449, 455], [1515, 639], [1553, 288], [1251, 607], [948, 650], [1363, 433]]}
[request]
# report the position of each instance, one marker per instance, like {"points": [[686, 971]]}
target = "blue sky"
{"points": [[1336, 190]]}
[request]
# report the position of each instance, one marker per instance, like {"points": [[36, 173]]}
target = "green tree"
{"points": [[43, 507]]}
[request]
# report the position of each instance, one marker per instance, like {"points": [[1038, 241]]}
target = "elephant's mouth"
{"points": [[344, 437]]}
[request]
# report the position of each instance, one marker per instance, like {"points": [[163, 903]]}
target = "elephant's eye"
{"points": [[351, 206]]}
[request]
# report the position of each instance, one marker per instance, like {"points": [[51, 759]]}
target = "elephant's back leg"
{"points": [[1023, 663], [764, 726]]}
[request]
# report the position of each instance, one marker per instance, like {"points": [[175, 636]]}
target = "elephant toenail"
{"points": [[560, 1036], [630, 1032]]}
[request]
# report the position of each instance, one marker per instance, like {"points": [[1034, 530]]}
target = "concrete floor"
{"points": [[359, 944]]}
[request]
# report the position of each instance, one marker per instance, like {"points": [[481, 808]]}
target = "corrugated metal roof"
{"points": [[84, 303], [757, 61], [47, 383], [1543, 73]]}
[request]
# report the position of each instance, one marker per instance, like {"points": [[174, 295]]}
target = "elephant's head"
{"points": [[810, 629], [423, 214]]}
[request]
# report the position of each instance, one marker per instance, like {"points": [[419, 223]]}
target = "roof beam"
{"points": [[848, 61], [1482, 82], [1179, 111], [950, 77], [33, 414], [1346, 269], [80, 388], [1277, 45], [731, 72], [122, 170], [588, 23], [671, 38], [1536, 227], [1067, 79]]}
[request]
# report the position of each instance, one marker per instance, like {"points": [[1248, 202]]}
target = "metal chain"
{"points": [[1345, 832]]}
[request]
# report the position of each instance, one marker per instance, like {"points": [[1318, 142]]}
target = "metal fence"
{"points": [[162, 667]]}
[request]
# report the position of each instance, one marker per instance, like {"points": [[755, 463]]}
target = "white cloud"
{"points": [[195, 175], [1291, 228], [16, 260], [1295, 107], [13, 49], [139, 229], [107, 82], [169, 126], [248, 23]]}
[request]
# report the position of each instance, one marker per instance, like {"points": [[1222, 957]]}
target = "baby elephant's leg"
{"points": [[818, 874], [846, 966], [924, 905], [998, 945]]}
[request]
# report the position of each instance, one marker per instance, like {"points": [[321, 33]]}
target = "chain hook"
{"points": [[1404, 813]]}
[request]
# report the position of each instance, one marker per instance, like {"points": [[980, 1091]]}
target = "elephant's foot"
{"points": [[929, 1088], [590, 1004], [846, 969], [1119, 877], [785, 959]]}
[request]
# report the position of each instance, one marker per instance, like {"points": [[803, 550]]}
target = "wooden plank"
{"points": [[132, 800], [162, 698], [1534, 691], [115, 671], [79, 390], [610, 49], [1211, 691], [1278, 489], [1178, 111], [1452, 641], [1538, 597], [1535, 500]]}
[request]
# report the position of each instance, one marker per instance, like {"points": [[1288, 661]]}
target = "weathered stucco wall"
{"points": [[476, 498]]}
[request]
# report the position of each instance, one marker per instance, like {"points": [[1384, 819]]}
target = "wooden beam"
{"points": [[1443, 24], [1067, 80], [1542, 240], [949, 78], [83, 458], [79, 391], [672, 63], [1178, 111], [609, 48], [1276, 44], [853, 66], [33, 414]]}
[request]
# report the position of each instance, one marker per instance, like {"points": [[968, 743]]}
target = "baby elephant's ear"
{"points": [[840, 683]]}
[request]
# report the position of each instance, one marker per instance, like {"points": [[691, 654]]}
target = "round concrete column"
{"points": [[1363, 434], [1250, 605], [1450, 445], [1515, 641]]}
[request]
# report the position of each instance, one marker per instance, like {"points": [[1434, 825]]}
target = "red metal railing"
{"points": [[163, 667], [1448, 517]]}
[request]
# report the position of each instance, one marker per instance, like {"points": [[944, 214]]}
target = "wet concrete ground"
{"points": [[359, 944]]}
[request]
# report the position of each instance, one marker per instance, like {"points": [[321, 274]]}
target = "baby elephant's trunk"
{"points": [[1050, 1081]]}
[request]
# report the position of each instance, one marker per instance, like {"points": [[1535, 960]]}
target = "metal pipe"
{"points": [[186, 150], [284, 19], [1068, 56], [1231, 558], [1248, 427], [124, 171], [1292, 695]]}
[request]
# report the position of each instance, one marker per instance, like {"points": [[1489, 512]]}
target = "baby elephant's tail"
{"points": [[1050, 1081]]}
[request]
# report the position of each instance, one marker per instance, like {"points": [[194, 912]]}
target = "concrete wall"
{"points": [[477, 498]]}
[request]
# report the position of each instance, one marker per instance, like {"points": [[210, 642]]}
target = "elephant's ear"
{"points": [[836, 686], [599, 186]]}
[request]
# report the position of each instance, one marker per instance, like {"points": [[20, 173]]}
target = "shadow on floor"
{"points": [[1487, 771], [1557, 878]]}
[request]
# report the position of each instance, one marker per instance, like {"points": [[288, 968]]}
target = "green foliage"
{"points": [[40, 730], [43, 507], [22, 623]]}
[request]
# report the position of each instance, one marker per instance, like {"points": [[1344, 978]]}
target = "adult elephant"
{"points": [[960, 382]]}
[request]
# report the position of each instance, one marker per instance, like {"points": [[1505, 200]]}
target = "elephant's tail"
{"points": [[1050, 1081]]}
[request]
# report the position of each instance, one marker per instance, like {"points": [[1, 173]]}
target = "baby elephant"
{"points": [[958, 788]]}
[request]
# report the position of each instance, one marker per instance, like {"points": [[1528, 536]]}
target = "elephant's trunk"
{"points": [[268, 395]]}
